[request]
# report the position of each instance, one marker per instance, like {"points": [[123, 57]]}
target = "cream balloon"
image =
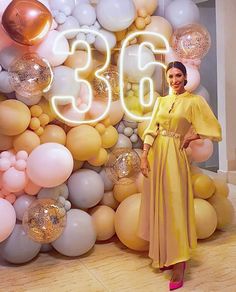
{"points": [[109, 200], [158, 25], [99, 42], [205, 217], [116, 112], [202, 91], [123, 191], [126, 223], [193, 78], [131, 65], [148, 6]]}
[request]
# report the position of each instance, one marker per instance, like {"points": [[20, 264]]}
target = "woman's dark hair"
{"points": [[178, 65]]}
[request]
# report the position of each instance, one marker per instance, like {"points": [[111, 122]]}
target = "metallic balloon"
{"points": [[123, 165], [44, 220], [27, 21], [192, 41], [30, 75], [100, 88]]}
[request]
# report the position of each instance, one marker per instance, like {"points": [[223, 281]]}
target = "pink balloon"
{"points": [[7, 219], [14, 180], [21, 155], [97, 109], [193, 77], [49, 165], [201, 151], [171, 56], [31, 188], [5, 163], [20, 164]]}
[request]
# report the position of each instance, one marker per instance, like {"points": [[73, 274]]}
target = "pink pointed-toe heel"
{"points": [[176, 285], [166, 268]]}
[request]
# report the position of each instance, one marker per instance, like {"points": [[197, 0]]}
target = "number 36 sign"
{"points": [[141, 66]]}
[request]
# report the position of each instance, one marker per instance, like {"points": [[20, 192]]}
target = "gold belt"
{"points": [[168, 133]]}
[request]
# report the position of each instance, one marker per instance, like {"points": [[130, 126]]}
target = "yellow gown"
{"points": [[166, 216]]}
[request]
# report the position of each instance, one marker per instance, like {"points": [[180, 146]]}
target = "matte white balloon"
{"points": [[193, 78], [5, 85], [108, 183], [130, 62], [85, 14], [123, 142], [70, 23], [57, 4], [99, 43], [11, 53], [116, 15], [79, 235], [201, 90], [182, 12], [34, 99], [21, 204]]}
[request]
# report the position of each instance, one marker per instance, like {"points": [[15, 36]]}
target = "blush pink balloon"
{"points": [[201, 150], [193, 77], [7, 219], [171, 56], [14, 180], [49, 165], [31, 188]]}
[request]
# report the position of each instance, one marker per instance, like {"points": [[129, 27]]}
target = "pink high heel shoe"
{"points": [[175, 285]]}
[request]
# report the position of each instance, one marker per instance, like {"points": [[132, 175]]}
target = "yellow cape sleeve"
{"points": [[204, 121]]}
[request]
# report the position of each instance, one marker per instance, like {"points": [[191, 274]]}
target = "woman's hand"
{"points": [[145, 168]]}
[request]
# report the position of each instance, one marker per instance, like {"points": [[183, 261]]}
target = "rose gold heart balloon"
{"points": [[27, 21]]}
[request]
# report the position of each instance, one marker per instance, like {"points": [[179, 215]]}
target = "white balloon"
{"points": [[57, 4], [85, 14], [70, 23], [5, 85], [116, 15], [123, 142], [21, 204], [11, 53], [33, 99], [162, 4], [182, 12], [193, 78], [45, 3], [201, 90], [108, 183], [3, 6], [171, 56], [99, 42], [46, 48], [130, 63], [64, 83]]}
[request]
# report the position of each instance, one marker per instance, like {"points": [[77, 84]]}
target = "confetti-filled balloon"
{"points": [[123, 165], [27, 21], [100, 88], [30, 75], [44, 220], [192, 41]]}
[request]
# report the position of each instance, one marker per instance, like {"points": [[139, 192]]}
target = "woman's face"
{"points": [[176, 78]]}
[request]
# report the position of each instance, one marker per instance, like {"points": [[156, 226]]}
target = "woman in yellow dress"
{"points": [[167, 217]]}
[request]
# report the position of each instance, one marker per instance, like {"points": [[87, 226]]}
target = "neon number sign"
{"points": [[71, 99]]}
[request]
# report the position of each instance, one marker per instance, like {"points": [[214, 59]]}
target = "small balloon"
{"points": [[44, 220], [30, 75], [27, 21], [123, 163]]}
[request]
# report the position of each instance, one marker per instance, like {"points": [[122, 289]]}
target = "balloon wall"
{"points": [[69, 174]]}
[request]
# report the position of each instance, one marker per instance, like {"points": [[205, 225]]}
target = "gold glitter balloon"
{"points": [[100, 88], [123, 165], [192, 41], [44, 220], [30, 75]]}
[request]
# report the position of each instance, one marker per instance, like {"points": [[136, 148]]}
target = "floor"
{"points": [[112, 267]]}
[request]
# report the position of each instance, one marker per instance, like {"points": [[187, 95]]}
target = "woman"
{"points": [[167, 211]]}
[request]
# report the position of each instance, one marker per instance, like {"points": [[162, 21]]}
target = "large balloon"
{"points": [[86, 188], [126, 223], [54, 48], [7, 219], [115, 15], [206, 219], [192, 41], [130, 63], [27, 21], [85, 14], [30, 75], [158, 25], [49, 165], [182, 12], [193, 78], [81, 233], [18, 248], [14, 117], [44, 220], [202, 150], [27, 141]]}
